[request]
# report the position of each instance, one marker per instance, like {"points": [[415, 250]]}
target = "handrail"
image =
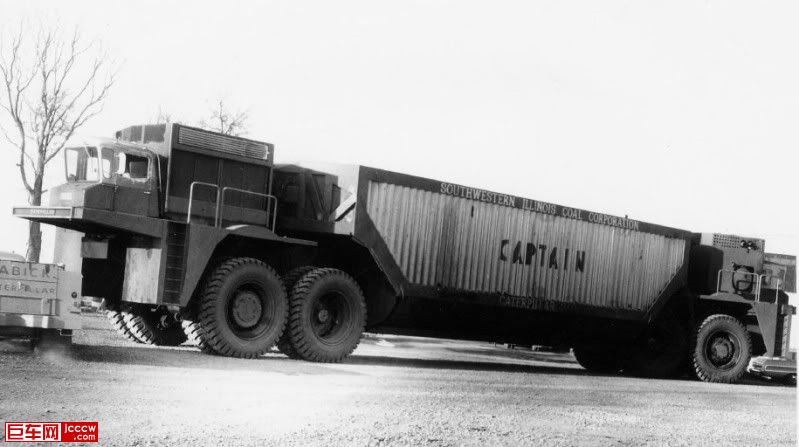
{"points": [[270, 199], [191, 200], [758, 283]]}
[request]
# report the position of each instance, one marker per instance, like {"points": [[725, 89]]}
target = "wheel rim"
{"points": [[331, 318], [165, 321], [722, 349], [249, 311]]}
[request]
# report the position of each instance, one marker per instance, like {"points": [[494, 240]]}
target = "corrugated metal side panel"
{"points": [[440, 240]]}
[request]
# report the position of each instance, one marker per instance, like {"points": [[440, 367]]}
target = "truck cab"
{"points": [[110, 175]]}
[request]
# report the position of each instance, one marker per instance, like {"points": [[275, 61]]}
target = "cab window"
{"points": [[133, 167]]}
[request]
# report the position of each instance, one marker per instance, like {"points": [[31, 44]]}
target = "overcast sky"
{"points": [[679, 113]]}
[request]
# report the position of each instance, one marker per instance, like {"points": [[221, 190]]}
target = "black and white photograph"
{"points": [[409, 223]]}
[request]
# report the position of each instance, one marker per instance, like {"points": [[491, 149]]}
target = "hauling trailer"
{"points": [[189, 234]]}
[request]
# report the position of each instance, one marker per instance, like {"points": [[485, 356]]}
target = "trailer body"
{"points": [[433, 237]]}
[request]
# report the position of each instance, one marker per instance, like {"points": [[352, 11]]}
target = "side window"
{"points": [[132, 167]]}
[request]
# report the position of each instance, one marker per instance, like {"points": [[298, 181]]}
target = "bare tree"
{"points": [[226, 121], [51, 86], [163, 117]]}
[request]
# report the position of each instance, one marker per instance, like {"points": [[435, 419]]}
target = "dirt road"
{"points": [[394, 391]]}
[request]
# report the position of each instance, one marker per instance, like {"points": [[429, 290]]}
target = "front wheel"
{"points": [[117, 320], [153, 327], [242, 310], [327, 316], [722, 349]]}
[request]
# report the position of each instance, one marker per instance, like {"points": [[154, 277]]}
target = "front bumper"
{"points": [[775, 367], [36, 321], [45, 212]]}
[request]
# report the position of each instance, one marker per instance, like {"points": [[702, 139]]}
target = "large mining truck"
{"points": [[190, 234]]}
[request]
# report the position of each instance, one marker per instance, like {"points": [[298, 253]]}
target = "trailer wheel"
{"points": [[154, 327], [117, 320], [662, 351], [722, 349], [598, 359], [289, 279], [243, 308], [327, 316]]}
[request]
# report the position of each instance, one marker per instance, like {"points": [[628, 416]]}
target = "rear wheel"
{"points": [[154, 326], [243, 308], [327, 316], [722, 349], [289, 279], [599, 359]]}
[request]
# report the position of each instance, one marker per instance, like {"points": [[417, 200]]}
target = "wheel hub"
{"points": [[721, 350], [246, 309], [323, 315]]}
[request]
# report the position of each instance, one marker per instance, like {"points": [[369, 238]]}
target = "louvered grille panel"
{"points": [[222, 143]]}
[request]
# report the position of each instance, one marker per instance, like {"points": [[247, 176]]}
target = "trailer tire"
{"points": [[243, 308], [327, 315], [662, 352], [154, 327], [117, 320], [598, 359], [721, 349], [289, 279]]}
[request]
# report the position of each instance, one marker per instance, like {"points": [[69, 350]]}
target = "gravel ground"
{"points": [[393, 391]]}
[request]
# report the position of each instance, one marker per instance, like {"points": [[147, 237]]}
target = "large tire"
{"points": [[243, 308], [192, 331], [662, 351], [721, 349], [599, 359], [289, 279], [327, 315], [117, 320], [154, 327]]}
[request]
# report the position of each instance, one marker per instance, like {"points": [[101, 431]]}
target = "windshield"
{"points": [[84, 164]]}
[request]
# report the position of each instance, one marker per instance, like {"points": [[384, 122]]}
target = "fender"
{"points": [[202, 242]]}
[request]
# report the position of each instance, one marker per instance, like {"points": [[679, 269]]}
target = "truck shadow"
{"points": [[187, 357], [467, 365], [536, 356], [273, 362]]}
